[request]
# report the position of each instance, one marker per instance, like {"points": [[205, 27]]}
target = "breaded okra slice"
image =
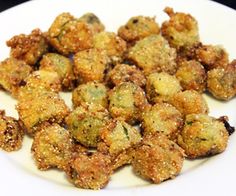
{"points": [[11, 133], [29, 48]]}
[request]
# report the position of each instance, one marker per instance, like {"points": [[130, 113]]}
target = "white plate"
{"points": [[217, 23]]}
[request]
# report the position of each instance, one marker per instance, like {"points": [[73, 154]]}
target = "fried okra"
{"points": [[52, 147], [137, 28], [153, 54], [111, 43], [29, 48], [189, 102], [12, 74], [61, 65], [90, 171], [192, 75], [162, 118], [221, 83], [157, 158], [45, 107], [86, 123], [161, 87], [126, 73], [91, 93], [212, 56], [127, 101], [11, 134], [68, 34], [93, 21], [203, 135], [181, 30], [90, 65]]}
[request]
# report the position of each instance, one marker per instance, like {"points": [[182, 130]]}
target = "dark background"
{"points": [[4, 4]]}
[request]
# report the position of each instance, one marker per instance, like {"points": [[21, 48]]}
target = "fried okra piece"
{"points": [[126, 73], [90, 65], [52, 147], [181, 30], [45, 107], [137, 28], [162, 118], [93, 21], [68, 34], [161, 87], [90, 171], [61, 65], [157, 158], [91, 93], [189, 102], [29, 48], [212, 56], [117, 139], [12, 74], [153, 54], [192, 75], [127, 101], [202, 136], [11, 134], [221, 83], [86, 122], [111, 43]]}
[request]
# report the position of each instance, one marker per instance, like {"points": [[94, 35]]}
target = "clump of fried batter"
{"points": [[52, 147], [29, 48], [11, 134], [203, 135], [157, 158], [90, 171]]}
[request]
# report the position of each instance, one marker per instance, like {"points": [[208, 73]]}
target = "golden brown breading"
{"points": [[203, 135], [157, 158], [90, 171], [153, 54], [52, 147], [29, 48], [11, 134]]}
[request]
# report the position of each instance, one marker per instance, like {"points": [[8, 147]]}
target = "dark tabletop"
{"points": [[4, 4]]}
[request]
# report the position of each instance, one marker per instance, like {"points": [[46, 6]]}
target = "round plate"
{"points": [[215, 175]]}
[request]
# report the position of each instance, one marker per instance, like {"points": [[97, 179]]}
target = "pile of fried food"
{"points": [[146, 74]]}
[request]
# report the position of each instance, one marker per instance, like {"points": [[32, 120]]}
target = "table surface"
{"points": [[10, 3]]}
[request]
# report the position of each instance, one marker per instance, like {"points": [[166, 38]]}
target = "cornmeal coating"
{"points": [[11, 134], [126, 73], [62, 66], [221, 83], [12, 74], [90, 65], [29, 48], [190, 102], [91, 93], [127, 101], [157, 158], [137, 28], [52, 147], [212, 56], [162, 118], [68, 34], [181, 30], [153, 54], [114, 45], [90, 171], [86, 122], [202, 136], [93, 21], [45, 107], [161, 87], [192, 75]]}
